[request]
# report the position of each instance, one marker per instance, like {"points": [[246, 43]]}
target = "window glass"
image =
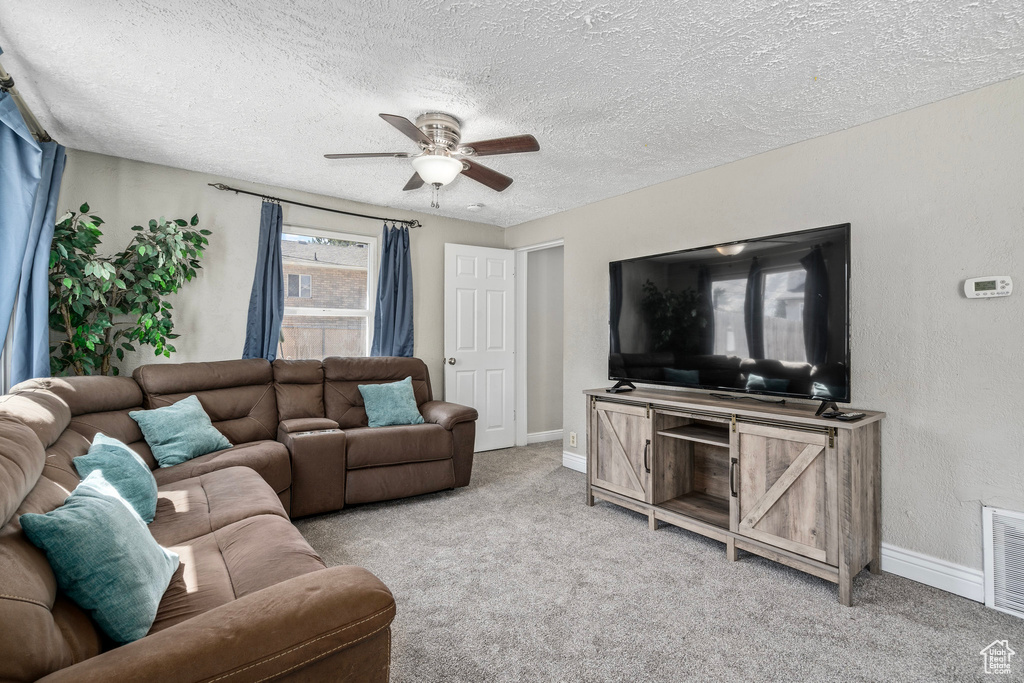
{"points": [[328, 302], [727, 297]]}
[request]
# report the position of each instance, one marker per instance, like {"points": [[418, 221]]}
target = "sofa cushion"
{"points": [[393, 403], [375, 446], [179, 432], [104, 557], [299, 385], [342, 376], [269, 459], [238, 395], [231, 562], [124, 469], [194, 507]]}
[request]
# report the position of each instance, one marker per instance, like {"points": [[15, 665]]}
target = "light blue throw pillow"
{"points": [[391, 404], [125, 470], [104, 558], [759, 383], [179, 432], [682, 376]]}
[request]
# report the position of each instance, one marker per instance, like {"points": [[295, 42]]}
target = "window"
{"points": [[784, 315], [330, 281], [300, 286]]}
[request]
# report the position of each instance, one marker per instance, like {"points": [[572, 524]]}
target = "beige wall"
{"points": [[544, 340], [210, 312], [934, 195]]}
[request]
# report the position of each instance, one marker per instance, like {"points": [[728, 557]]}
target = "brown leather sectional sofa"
{"points": [[251, 600]]}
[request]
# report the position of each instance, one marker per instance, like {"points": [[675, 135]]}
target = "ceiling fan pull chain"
{"points": [[434, 204]]}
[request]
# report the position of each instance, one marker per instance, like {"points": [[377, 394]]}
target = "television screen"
{"points": [[763, 316]]}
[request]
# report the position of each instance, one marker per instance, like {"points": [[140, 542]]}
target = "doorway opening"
{"points": [[540, 284]]}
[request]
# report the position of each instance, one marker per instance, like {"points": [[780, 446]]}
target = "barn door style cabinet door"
{"points": [[774, 481], [784, 489], [621, 457]]}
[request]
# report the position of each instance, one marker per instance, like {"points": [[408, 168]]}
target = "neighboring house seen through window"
{"points": [[330, 286]]}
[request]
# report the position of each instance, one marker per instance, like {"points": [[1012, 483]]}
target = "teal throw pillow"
{"points": [[759, 383], [391, 404], [104, 558], [124, 469], [682, 376], [179, 432]]}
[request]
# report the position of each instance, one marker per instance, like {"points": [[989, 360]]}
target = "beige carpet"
{"points": [[514, 579]]}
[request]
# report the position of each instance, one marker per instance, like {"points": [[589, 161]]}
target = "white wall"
{"points": [[544, 340], [210, 312], [934, 195]]}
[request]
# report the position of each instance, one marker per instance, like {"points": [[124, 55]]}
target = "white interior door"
{"points": [[479, 339]]}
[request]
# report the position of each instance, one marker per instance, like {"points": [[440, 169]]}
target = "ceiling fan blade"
{"points": [[511, 145], [368, 155], [408, 127], [414, 183], [486, 176]]}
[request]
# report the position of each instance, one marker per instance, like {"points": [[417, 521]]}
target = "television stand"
{"points": [[826, 405], [621, 387], [771, 480]]}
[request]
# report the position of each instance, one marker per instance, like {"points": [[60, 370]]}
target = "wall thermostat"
{"points": [[989, 285]]}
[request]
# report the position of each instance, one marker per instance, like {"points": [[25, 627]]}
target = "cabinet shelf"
{"points": [[701, 433], [706, 508]]}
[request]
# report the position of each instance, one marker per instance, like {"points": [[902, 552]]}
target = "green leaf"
{"points": [[67, 282], [84, 208], [181, 223], [152, 224], [136, 227], [195, 220], [205, 232], [142, 250]]}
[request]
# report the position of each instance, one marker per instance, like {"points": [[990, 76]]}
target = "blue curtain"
{"points": [[392, 319], [266, 303], [30, 175]]}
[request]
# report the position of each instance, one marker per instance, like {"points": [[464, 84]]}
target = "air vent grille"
{"points": [[1004, 560]]}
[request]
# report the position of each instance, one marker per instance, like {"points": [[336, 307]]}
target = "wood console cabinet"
{"points": [[772, 480]]}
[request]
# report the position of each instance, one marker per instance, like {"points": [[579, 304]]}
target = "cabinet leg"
{"points": [[590, 497], [876, 565], [652, 522], [730, 550], [845, 586]]}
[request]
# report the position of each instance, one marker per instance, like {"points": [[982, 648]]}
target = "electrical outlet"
{"points": [[572, 439]]}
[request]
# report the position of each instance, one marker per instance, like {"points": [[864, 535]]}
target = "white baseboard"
{"points": [[574, 461], [541, 437], [931, 571]]}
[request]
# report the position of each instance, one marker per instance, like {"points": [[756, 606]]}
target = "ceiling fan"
{"points": [[443, 156]]}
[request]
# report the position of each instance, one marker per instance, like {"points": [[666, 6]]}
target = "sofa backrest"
{"points": [[238, 395], [44, 630], [342, 376], [299, 385]]}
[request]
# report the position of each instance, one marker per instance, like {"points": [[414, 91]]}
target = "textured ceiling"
{"points": [[621, 95]]}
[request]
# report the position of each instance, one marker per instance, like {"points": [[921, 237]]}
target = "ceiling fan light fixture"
{"points": [[436, 169], [730, 249]]}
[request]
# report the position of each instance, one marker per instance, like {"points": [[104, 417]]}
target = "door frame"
{"points": [[521, 260]]}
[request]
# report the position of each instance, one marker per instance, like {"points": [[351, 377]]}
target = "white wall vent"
{"points": [[1004, 560]]}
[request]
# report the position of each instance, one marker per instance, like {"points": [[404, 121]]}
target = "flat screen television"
{"points": [[769, 316]]}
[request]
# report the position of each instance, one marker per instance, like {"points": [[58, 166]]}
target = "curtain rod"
{"points": [[34, 127], [222, 186]]}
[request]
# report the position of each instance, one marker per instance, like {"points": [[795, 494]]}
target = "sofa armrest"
{"points": [[447, 414], [318, 469], [305, 424], [273, 631]]}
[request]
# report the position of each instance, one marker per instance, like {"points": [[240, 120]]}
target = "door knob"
{"points": [[451, 361]]}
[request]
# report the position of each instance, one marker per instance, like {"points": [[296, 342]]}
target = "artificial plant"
{"points": [[102, 306]]}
